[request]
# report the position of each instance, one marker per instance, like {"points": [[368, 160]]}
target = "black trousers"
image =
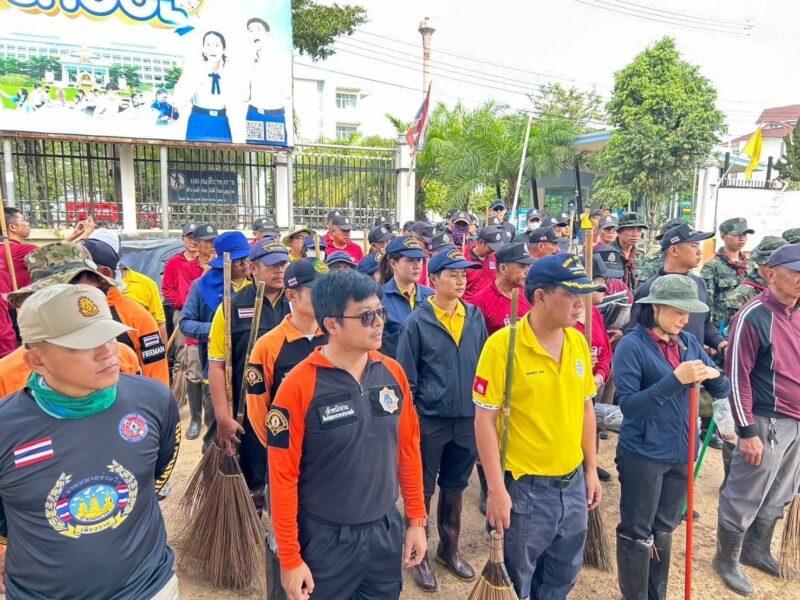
{"points": [[651, 495], [448, 450], [354, 562]]}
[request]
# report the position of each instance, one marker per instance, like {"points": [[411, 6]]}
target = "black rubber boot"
{"points": [[194, 393], [659, 566], [633, 567], [484, 489], [275, 590], [423, 574], [448, 521], [726, 561], [757, 547]]}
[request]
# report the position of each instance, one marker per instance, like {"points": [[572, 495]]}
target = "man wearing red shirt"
{"points": [[513, 264], [169, 281], [543, 242], [338, 239], [490, 239], [18, 231], [8, 337]]}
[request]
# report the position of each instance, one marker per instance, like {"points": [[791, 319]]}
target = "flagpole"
{"points": [[521, 165]]}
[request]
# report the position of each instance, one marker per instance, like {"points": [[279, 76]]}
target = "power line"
{"points": [[721, 22]]}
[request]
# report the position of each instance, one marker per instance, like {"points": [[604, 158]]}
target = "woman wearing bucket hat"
{"points": [[655, 365]]}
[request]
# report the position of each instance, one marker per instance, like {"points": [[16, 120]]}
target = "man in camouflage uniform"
{"points": [[792, 236], [629, 233], [654, 261], [727, 269]]}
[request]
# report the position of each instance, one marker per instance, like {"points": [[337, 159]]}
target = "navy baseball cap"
{"points": [[340, 257], [383, 221], [440, 240], [562, 269], [543, 234], [102, 253], [492, 237], [600, 269], [205, 231], [188, 228], [683, 233], [234, 243], [333, 214], [406, 245], [452, 259], [612, 260], [378, 234], [517, 252], [342, 222], [498, 204], [561, 221], [608, 222], [460, 216], [786, 256], [424, 230], [370, 263], [269, 252], [304, 271], [265, 226], [533, 215]]}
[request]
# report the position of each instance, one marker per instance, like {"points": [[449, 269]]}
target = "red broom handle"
{"points": [[693, 405]]}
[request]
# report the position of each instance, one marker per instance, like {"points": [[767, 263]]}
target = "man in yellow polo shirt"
{"points": [[144, 291], [550, 477]]}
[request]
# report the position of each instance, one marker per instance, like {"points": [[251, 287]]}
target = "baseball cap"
{"points": [[407, 226], [612, 260], [562, 269], [735, 226], [791, 235], [460, 216], [265, 226], [683, 233], [102, 254], [205, 231], [768, 244], [560, 221], [596, 213], [667, 226], [109, 237], [786, 256], [608, 222], [188, 228], [370, 263], [332, 214], [340, 257], [675, 290], [493, 222], [235, 244], [405, 245], [342, 222], [533, 214], [440, 240], [379, 234], [268, 252], [543, 234], [516, 252], [600, 268], [383, 221], [67, 315], [629, 220], [304, 271], [497, 204], [424, 230], [451, 259], [492, 236]]}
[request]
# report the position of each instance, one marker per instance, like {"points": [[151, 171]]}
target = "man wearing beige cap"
{"points": [[83, 452]]}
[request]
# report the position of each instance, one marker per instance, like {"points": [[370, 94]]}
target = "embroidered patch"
{"points": [[277, 423], [33, 452], [254, 374], [152, 349], [388, 400], [150, 340], [579, 367], [480, 386], [87, 307], [320, 266], [133, 428], [246, 312]]}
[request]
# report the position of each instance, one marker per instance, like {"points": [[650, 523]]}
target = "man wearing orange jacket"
{"points": [[343, 436]]}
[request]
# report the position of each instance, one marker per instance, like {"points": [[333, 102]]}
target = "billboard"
{"points": [[203, 187], [189, 70]]}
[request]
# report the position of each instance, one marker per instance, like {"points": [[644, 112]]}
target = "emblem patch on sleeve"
{"points": [[480, 386], [277, 423], [386, 400], [152, 348], [254, 374]]}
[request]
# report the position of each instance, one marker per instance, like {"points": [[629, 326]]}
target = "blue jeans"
{"points": [[544, 545]]}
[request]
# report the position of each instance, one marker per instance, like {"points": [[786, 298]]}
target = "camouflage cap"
{"points": [[792, 235], [675, 290], [667, 226], [761, 253], [735, 226], [630, 219], [60, 262]]}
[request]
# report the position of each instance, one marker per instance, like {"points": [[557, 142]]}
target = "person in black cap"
{"points": [[543, 242], [338, 238], [378, 237], [383, 221], [560, 223], [401, 269], [264, 229], [439, 346], [606, 230], [654, 261], [533, 220], [614, 284], [489, 241], [629, 233], [498, 210], [458, 227], [169, 283], [441, 242], [340, 260], [370, 265]]}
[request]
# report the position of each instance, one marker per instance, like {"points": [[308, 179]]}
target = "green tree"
{"points": [[316, 26], [171, 77], [789, 165], [129, 72], [665, 123], [556, 101], [11, 66], [36, 66]]}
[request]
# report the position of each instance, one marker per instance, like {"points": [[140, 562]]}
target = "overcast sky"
{"points": [[747, 48]]}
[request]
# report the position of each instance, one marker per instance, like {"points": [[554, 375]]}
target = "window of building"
{"points": [[345, 130], [345, 99]]}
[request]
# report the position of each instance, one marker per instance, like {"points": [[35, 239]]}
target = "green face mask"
{"points": [[62, 407]]}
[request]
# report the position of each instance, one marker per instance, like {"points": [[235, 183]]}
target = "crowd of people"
{"points": [[380, 370]]}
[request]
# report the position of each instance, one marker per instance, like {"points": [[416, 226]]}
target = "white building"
{"points": [[776, 123]]}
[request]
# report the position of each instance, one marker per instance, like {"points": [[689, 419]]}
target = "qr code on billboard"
{"points": [[255, 130], [276, 132]]}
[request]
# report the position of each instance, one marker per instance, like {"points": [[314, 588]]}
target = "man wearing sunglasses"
{"points": [[343, 440]]}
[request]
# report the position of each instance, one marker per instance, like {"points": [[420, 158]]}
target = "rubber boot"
{"points": [[659, 566], [484, 489], [448, 522], [726, 561], [756, 549], [633, 567], [194, 393], [275, 590], [423, 574]]}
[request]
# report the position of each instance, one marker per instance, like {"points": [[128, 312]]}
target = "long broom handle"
{"points": [[588, 265], [693, 403], [7, 244], [512, 344], [706, 441], [259, 304], [226, 312]]}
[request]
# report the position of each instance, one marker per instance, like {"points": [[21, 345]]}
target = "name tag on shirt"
{"points": [[336, 414]]}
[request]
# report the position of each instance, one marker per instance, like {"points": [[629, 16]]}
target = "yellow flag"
{"points": [[753, 149]]}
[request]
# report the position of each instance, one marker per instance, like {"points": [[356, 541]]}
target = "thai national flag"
{"points": [[33, 452], [415, 136], [123, 493]]}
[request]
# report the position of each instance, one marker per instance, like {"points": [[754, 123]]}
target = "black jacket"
{"points": [[439, 371]]}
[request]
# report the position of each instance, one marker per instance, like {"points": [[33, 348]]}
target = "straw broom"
{"points": [[178, 385], [494, 582], [203, 475], [226, 541], [790, 544], [597, 550]]}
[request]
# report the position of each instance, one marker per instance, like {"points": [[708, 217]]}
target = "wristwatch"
{"points": [[419, 522]]}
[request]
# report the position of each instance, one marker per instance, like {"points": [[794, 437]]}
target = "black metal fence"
{"points": [[360, 181]]}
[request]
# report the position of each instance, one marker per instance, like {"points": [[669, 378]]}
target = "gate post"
{"points": [[283, 200], [8, 163], [127, 181], [405, 182]]}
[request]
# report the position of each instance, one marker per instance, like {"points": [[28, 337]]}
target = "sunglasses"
{"points": [[368, 318]]}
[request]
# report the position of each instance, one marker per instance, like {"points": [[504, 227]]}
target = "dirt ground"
{"points": [[591, 583]]}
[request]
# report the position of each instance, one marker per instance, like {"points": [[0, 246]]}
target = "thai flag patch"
{"points": [[33, 452], [246, 313], [152, 339]]}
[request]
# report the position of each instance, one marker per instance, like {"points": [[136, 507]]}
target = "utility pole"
{"points": [[426, 31]]}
